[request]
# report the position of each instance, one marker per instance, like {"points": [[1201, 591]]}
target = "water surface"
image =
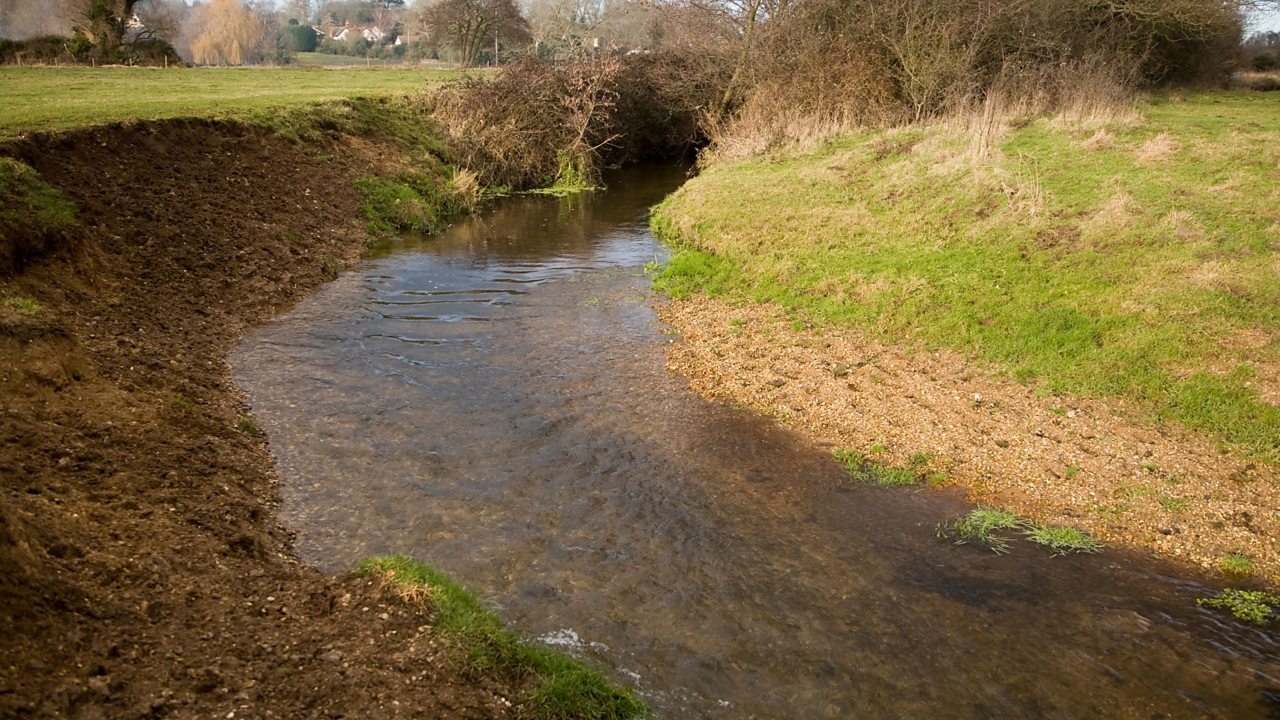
{"points": [[493, 402]]}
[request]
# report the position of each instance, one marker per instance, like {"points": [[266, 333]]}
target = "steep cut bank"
{"points": [[142, 571]]}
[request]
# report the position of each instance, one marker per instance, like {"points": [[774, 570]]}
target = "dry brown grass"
{"points": [[1100, 140], [1157, 149], [411, 593], [1258, 81]]}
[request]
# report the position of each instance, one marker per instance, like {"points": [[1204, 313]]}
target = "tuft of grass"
{"points": [[1172, 504], [34, 216], [1235, 564], [415, 201], [23, 305], [564, 689], [571, 179], [1063, 540], [1255, 606], [1071, 472], [981, 526], [246, 425], [863, 470]]}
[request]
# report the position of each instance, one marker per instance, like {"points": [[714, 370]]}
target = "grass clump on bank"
{"points": [[982, 526], [34, 217], [1142, 267], [1063, 540], [863, 470], [1255, 606], [561, 687]]}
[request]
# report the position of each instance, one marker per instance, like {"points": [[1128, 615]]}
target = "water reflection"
{"points": [[494, 402]]}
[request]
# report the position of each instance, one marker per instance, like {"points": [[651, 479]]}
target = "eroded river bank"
{"points": [[494, 402]]}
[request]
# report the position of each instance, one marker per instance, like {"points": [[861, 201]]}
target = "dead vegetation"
{"points": [[828, 66]]}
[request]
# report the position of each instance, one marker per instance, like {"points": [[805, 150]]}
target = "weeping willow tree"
{"points": [[229, 33]]}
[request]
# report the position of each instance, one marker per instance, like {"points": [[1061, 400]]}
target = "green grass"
{"points": [[246, 425], [1062, 540], [25, 199], [1255, 606], [319, 59], [22, 305], [863, 470], [41, 99], [982, 526], [1235, 564], [1102, 273], [563, 688], [416, 201]]}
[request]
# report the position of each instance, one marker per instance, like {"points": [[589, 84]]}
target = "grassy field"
{"points": [[1137, 258], [44, 98], [331, 60]]}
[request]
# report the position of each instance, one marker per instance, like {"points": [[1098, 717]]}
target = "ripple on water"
{"points": [[550, 462]]}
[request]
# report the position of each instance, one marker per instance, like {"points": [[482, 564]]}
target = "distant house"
{"points": [[372, 33]]}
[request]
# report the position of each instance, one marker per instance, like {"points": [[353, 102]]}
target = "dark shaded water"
{"points": [[494, 402]]}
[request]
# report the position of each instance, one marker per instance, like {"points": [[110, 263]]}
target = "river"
{"points": [[493, 401]]}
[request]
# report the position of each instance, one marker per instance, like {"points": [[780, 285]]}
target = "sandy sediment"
{"points": [[1059, 460]]}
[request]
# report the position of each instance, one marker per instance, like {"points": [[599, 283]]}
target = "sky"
{"points": [[1265, 21]]}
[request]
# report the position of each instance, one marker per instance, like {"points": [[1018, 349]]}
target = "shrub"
{"points": [[538, 124], [300, 38]]}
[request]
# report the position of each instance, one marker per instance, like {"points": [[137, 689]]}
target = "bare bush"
{"points": [[537, 123], [532, 125], [823, 66]]}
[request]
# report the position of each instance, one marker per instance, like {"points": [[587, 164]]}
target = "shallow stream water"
{"points": [[493, 401]]}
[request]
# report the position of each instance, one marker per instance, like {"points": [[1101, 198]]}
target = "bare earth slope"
{"points": [[142, 573]]}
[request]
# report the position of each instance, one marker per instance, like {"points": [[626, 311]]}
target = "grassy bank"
{"points": [[558, 687], [45, 98], [1133, 258]]}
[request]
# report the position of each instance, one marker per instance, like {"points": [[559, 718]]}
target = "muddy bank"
{"points": [[1058, 459], [142, 571]]}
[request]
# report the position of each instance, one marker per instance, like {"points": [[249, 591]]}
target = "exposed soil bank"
{"points": [[142, 572]]}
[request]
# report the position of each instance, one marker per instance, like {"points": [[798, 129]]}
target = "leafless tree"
{"points": [[468, 26]]}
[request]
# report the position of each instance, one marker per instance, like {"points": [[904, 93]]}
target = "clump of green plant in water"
{"points": [[1255, 606], [570, 180], [981, 526], [1235, 564], [1063, 540], [863, 470], [565, 687], [415, 201]]}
